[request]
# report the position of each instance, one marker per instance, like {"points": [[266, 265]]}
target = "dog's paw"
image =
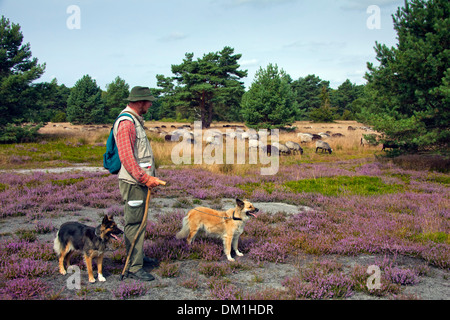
{"points": [[92, 280], [101, 278], [63, 272], [230, 259], [240, 254]]}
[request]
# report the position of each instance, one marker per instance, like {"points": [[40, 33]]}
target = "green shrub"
{"points": [[17, 134]]}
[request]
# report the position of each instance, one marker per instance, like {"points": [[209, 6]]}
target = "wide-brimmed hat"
{"points": [[140, 94]]}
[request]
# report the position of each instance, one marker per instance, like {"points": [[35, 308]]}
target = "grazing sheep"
{"points": [[172, 137], [281, 148], [324, 146], [364, 142], [269, 149], [294, 147], [154, 129], [337, 135], [305, 137], [213, 140], [183, 133], [231, 135], [252, 143]]}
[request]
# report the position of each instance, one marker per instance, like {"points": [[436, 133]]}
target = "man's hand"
{"points": [[154, 182]]}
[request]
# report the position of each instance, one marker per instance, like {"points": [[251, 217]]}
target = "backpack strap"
{"points": [[125, 114]]}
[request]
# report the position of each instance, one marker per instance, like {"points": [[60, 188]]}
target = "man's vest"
{"points": [[142, 150]]}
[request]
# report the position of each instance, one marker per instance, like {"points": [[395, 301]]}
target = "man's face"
{"points": [[145, 105]]}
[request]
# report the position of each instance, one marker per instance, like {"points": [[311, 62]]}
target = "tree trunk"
{"points": [[209, 115]]}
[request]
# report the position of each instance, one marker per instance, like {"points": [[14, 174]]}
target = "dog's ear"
{"points": [[106, 219], [239, 203]]}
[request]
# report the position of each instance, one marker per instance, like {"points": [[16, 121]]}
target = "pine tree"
{"points": [[17, 71], [410, 88], [203, 85], [325, 113], [270, 101], [308, 90], [344, 99], [85, 105], [116, 92]]}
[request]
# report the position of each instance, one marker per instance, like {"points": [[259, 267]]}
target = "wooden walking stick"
{"points": [[141, 227]]}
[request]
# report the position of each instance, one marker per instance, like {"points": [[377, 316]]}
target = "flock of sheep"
{"points": [[215, 137], [255, 139]]}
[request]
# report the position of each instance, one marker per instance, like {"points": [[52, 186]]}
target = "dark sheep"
{"points": [[323, 146], [269, 149]]}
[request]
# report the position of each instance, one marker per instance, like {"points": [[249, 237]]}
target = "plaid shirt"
{"points": [[126, 139]]}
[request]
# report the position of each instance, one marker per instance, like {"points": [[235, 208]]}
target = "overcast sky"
{"points": [[137, 39]]}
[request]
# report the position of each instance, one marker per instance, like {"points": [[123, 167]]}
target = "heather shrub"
{"points": [[119, 255], [169, 270], [36, 250], [320, 280], [360, 276], [23, 289], [115, 210], [437, 255], [268, 251], [206, 249], [165, 226], [402, 276], [326, 287], [421, 162], [214, 269], [47, 193], [222, 289], [166, 249], [25, 268], [43, 227], [128, 290], [259, 229], [27, 235]]}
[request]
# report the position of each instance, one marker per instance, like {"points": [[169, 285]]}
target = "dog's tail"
{"points": [[57, 247], [184, 232]]}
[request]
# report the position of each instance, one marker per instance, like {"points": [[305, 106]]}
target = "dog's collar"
{"points": [[97, 230], [234, 218]]}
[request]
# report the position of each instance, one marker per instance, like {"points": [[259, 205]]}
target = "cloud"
{"points": [[249, 63], [174, 36]]}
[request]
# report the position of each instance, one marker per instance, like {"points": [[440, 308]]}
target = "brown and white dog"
{"points": [[228, 225], [74, 236]]}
